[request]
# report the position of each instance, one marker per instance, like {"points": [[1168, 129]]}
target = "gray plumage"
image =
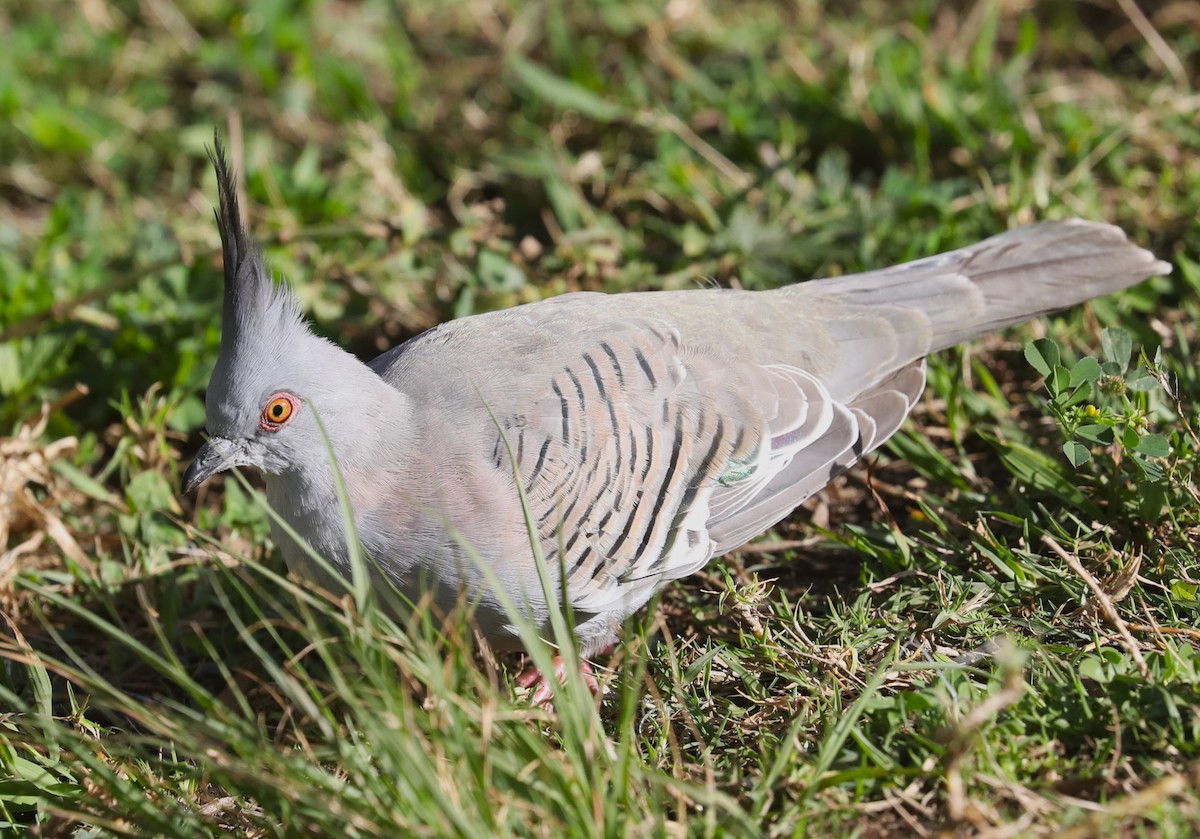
{"points": [[651, 431]]}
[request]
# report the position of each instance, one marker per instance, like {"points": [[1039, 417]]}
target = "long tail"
{"points": [[1006, 279]]}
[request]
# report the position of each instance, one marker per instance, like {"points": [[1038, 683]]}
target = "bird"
{"points": [[628, 438]]}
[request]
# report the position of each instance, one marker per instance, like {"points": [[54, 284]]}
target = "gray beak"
{"points": [[217, 455]]}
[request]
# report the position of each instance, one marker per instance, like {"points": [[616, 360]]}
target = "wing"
{"points": [[646, 457], [858, 428]]}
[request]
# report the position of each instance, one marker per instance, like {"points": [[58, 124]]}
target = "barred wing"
{"points": [[646, 458]]}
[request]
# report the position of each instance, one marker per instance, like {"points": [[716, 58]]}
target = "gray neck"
{"points": [[370, 438]]}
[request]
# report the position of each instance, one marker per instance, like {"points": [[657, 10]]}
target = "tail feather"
{"points": [[1004, 280]]}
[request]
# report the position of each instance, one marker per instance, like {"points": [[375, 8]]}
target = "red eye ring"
{"points": [[279, 409]]}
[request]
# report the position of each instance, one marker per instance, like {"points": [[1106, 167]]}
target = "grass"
{"points": [[988, 629]]}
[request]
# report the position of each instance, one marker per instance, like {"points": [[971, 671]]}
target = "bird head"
{"points": [[272, 371]]}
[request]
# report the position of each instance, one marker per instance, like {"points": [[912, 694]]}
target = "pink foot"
{"points": [[544, 691]]}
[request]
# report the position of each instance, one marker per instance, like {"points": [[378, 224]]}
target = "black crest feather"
{"points": [[234, 243], [254, 308]]}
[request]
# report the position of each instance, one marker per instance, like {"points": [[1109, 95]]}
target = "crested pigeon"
{"points": [[649, 432]]}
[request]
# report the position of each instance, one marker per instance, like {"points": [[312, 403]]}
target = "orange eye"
{"points": [[278, 410]]}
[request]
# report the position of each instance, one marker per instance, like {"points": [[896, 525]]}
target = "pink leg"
{"points": [[544, 691]]}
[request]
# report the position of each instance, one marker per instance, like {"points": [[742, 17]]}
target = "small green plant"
{"points": [[1104, 409]]}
